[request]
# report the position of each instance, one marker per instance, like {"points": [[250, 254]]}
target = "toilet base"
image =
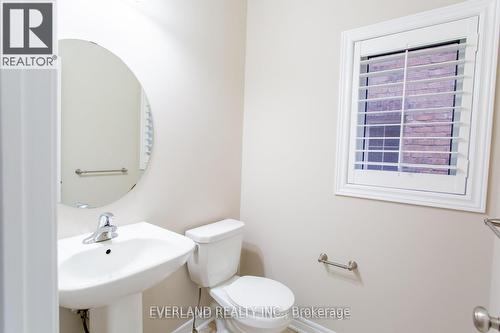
{"points": [[233, 326]]}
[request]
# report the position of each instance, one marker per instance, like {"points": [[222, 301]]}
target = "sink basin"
{"points": [[100, 274]]}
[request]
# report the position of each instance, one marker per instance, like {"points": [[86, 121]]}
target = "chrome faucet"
{"points": [[105, 230]]}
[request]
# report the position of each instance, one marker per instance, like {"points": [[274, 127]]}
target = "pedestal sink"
{"points": [[109, 277]]}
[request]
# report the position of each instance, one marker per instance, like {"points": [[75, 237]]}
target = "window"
{"points": [[416, 108], [409, 110]]}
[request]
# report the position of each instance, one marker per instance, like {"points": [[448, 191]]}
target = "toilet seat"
{"points": [[253, 294], [260, 295]]}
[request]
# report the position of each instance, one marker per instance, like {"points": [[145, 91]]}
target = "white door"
{"points": [[488, 319]]}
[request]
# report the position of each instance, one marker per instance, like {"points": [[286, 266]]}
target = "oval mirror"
{"points": [[106, 126]]}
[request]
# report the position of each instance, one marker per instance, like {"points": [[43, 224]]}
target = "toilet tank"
{"points": [[217, 254]]}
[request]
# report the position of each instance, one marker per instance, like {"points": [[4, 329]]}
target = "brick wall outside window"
{"points": [[390, 146]]}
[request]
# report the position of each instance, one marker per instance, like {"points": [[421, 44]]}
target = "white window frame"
{"points": [[487, 12]]}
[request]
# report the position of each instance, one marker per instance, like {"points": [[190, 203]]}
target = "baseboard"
{"points": [[187, 326], [299, 325], [302, 325]]}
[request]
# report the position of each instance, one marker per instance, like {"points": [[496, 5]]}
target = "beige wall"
{"points": [[189, 57], [420, 269]]}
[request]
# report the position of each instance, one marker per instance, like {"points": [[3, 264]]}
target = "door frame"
{"points": [[28, 231]]}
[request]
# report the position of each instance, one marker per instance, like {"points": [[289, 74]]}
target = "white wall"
{"points": [[189, 57], [100, 116], [420, 269]]}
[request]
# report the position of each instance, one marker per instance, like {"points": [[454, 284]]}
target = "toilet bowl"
{"points": [[244, 304], [261, 305]]}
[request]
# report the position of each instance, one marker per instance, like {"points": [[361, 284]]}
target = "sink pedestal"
{"points": [[123, 316]]}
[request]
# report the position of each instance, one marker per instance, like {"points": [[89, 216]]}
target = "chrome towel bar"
{"points": [[351, 265], [80, 172], [494, 224]]}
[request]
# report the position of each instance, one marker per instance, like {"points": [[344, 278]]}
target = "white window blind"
{"points": [[409, 113], [411, 108], [146, 144]]}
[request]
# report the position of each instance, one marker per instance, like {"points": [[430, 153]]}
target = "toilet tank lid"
{"points": [[214, 232]]}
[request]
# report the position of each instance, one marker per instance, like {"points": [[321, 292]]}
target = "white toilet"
{"points": [[258, 305]]}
